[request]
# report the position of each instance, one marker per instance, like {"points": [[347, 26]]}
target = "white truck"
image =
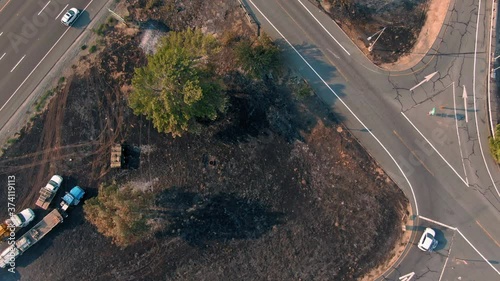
{"points": [[16, 221], [48, 192], [30, 238]]}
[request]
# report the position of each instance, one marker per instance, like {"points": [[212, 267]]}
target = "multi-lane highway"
{"points": [[32, 39], [440, 160]]}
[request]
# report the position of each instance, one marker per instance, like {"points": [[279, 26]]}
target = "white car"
{"points": [[70, 16], [427, 241]]}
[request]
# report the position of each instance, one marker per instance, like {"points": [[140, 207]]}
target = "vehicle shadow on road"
{"points": [[441, 238], [82, 21]]}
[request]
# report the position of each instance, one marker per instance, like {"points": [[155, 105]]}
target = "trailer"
{"points": [[48, 192], [31, 237], [116, 156]]}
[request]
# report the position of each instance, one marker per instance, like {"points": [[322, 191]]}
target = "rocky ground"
{"points": [[287, 192]]}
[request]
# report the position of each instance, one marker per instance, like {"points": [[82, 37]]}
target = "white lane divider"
{"points": [[2, 56], [40, 62], [442, 157], [43, 8], [62, 11], [1, 33], [477, 251], [324, 28], [17, 63], [343, 103], [438, 223]]}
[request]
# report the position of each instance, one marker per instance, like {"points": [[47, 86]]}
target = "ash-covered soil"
{"points": [[360, 19], [274, 190]]}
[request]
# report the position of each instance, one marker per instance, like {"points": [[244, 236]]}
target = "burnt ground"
{"points": [[403, 20], [276, 189]]}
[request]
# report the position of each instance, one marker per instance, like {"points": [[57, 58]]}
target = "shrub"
{"points": [[495, 144], [120, 213], [258, 58]]}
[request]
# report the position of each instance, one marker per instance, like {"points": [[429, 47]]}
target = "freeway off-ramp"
{"points": [[436, 159], [32, 40]]}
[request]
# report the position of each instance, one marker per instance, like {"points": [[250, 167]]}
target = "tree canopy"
{"points": [[119, 213], [258, 57], [177, 86]]}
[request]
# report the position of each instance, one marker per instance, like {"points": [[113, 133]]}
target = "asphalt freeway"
{"points": [[32, 39], [440, 161]]}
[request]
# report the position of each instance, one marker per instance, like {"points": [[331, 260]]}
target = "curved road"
{"points": [[440, 161]]}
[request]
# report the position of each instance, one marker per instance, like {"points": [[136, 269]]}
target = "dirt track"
{"points": [[286, 192]]}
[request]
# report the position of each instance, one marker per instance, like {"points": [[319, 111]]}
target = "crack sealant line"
{"points": [[477, 251], [448, 257], [343, 103], [458, 134], [451, 167], [475, 105]]}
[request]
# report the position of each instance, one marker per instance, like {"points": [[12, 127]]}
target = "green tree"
{"points": [[259, 57], [495, 144], [120, 213], [177, 86]]}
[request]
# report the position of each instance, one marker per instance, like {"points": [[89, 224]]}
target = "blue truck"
{"points": [[72, 198], [37, 232]]}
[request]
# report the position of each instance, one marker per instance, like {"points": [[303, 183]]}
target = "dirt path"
{"points": [[435, 17]]}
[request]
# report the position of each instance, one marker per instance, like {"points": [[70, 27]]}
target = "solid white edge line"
{"points": [[17, 63], [434, 149], [489, 66], [438, 223], [324, 28], [64, 9], [25, 79], [447, 258], [43, 8], [465, 238], [458, 134], [475, 106], [3, 56], [486, 260], [342, 101]]}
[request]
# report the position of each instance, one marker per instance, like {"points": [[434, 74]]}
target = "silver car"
{"points": [[70, 16]]}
